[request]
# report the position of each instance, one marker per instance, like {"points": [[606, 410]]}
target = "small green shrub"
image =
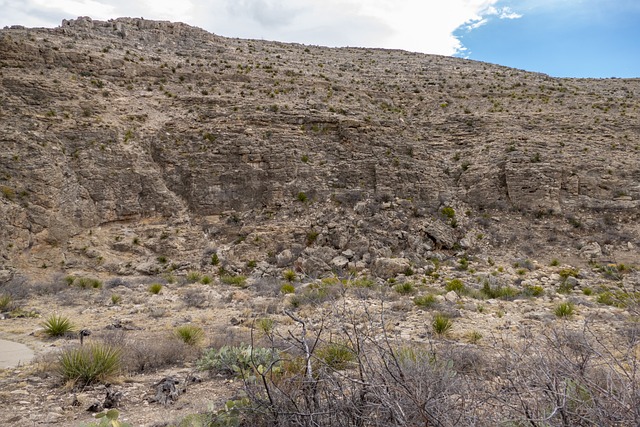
{"points": [[568, 272], [155, 288], [554, 262], [90, 363], [456, 286], [302, 197], [336, 356], [83, 282], [205, 280], [116, 299], [235, 280], [425, 301], [238, 360], [441, 324], [564, 309], [265, 325], [448, 212], [57, 325], [215, 260], [474, 337], [289, 275], [312, 236], [190, 334], [193, 277], [405, 288], [6, 303], [162, 259], [287, 288], [533, 290]]}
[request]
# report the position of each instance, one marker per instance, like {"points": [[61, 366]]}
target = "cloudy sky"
{"points": [[573, 38]]}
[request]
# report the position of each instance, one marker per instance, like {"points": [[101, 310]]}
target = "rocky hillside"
{"points": [[135, 146]]}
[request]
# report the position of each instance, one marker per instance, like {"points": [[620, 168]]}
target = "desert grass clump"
{"points": [[90, 364], [287, 288], [234, 280], [564, 309], [289, 275], [205, 280], [193, 277], [155, 288], [336, 356], [405, 288], [57, 325], [456, 286], [425, 301], [441, 324], [116, 299], [190, 334], [6, 303], [83, 282]]}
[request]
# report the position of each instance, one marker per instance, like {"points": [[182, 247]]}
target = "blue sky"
{"points": [[563, 38], [570, 38]]}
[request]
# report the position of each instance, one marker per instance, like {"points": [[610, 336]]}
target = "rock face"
{"points": [[135, 140]]}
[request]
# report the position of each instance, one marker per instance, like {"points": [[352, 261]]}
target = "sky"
{"points": [[562, 38]]}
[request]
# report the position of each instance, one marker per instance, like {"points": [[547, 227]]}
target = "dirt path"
{"points": [[13, 354]]}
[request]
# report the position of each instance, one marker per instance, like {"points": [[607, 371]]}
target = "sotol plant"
{"points": [[57, 325]]}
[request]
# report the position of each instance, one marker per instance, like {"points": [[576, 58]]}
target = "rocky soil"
{"points": [[138, 152]]}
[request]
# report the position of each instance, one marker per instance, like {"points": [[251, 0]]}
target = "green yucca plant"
{"points": [[564, 309], [190, 334], [90, 364], [441, 324], [57, 325]]}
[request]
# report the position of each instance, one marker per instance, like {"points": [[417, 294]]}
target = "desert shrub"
{"points": [[564, 309], [568, 272], [194, 298], [289, 275], [155, 288], [97, 362], [190, 334], [425, 301], [205, 280], [116, 299], [456, 286], [265, 325], [302, 197], [148, 353], [6, 303], [316, 293], [215, 260], [405, 288], [474, 337], [533, 291], [83, 282], [193, 276], [448, 212], [237, 360], [287, 288], [441, 324], [57, 325], [336, 355], [498, 291], [234, 280], [554, 262], [312, 236]]}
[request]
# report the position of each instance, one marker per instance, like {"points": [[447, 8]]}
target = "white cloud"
{"points": [[416, 25]]}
